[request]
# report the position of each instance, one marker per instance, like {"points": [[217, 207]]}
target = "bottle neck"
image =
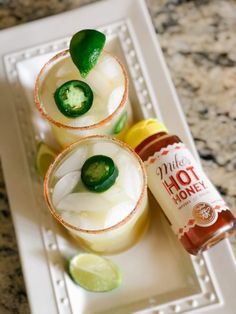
{"points": [[149, 139], [155, 143]]}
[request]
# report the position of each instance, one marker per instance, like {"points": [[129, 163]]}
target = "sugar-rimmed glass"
{"points": [[109, 70], [129, 191]]}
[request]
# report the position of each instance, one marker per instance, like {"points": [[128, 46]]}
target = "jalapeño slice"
{"points": [[121, 123], [99, 173], [73, 98]]}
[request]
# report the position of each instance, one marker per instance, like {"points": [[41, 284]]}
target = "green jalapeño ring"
{"points": [[77, 106], [97, 189]]}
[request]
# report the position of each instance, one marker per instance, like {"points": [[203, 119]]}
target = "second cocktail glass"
{"points": [[110, 113]]}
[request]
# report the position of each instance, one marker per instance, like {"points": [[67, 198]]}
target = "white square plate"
{"points": [[159, 277]]}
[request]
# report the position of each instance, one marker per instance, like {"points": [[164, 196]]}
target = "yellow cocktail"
{"points": [[110, 112], [106, 214]]}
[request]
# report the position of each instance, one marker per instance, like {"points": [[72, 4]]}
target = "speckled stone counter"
{"points": [[199, 43]]}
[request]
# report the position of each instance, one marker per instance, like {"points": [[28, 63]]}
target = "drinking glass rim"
{"points": [[61, 155], [43, 112]]}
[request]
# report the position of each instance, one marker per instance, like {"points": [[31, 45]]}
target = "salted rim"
{"points": [[43, 112], [61, 156]]}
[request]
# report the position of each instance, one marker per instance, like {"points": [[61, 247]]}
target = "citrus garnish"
{"points": [[85, 48], [44, 157], [121, 123], [94, 273], [99, 173], [73, 98]]}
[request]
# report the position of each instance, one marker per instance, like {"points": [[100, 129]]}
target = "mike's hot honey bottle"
{"points": [[196, 211]]}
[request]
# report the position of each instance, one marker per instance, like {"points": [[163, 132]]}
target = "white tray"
{"points": [[159, 277]]}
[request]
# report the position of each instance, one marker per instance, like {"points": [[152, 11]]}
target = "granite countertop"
{"points": [[199, 44]]}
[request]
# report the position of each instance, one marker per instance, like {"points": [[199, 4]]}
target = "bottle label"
{"points": [[184, 192]]}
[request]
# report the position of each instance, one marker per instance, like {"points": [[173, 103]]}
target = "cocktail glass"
{"points": [[106, 222], [110, 113]]}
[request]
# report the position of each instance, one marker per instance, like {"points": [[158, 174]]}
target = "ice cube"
{"points": [[64, 68], [108, 149], [74, 162], [115, 194], [84, 201], [129, 176], [81, 220], [118, 213], [98, 83], [115, 99], [85, 210], [60, 74], [65, 186], [109, 67], [99, 105]]}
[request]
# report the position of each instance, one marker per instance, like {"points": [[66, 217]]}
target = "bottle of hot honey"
{"points": [[197, 213]]}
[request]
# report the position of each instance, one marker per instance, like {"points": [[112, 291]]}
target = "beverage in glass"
{"points": [[107, 221], [110, 112]]}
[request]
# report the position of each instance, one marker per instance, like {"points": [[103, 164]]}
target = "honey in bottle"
{"points": [[196, 211]]}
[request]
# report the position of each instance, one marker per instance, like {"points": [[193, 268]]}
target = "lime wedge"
{"points": [[85, 48], [44, 157], [94, 273]]}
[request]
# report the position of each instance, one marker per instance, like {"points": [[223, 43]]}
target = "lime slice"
{"points": [[44, 157], [94, 273], [85, 48]]}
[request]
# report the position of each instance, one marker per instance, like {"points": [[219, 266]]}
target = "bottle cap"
{"points": [[142, 130]]}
